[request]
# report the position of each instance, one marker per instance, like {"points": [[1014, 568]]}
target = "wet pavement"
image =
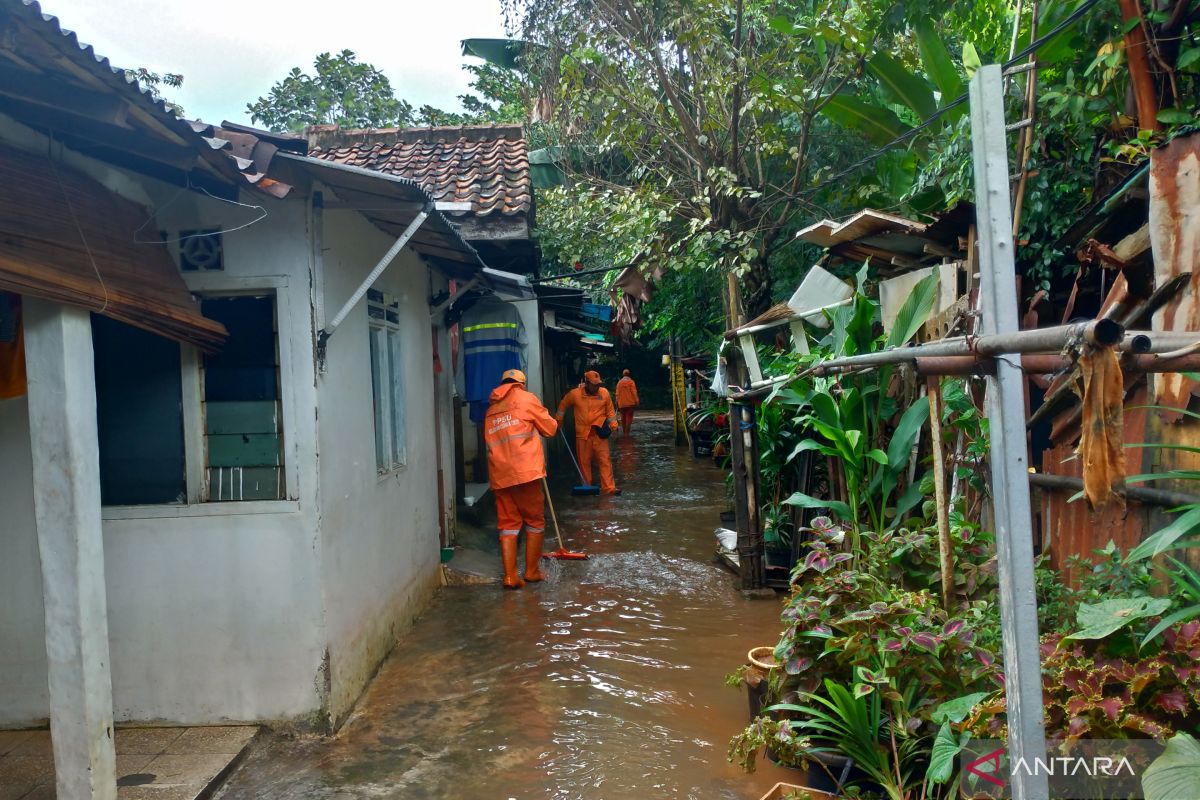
{"points": [[604, 682]]}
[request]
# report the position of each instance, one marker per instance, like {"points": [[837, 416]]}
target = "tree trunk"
{"points": [[757, 286]]}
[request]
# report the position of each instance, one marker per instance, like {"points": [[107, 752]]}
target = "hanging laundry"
{"points": [[493, 341], [12, 347], [1101, 440]]}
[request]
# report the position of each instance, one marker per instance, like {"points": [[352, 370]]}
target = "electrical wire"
{"points": [[78, 227], [262, 214]]}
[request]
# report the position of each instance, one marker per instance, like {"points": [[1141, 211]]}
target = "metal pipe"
{"points": [[1101, 333], [1158, 341], [1143, 494], [1048, 364], [373, 276], [1005, 403]]}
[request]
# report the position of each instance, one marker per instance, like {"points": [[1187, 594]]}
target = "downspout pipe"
{"points": [[373, 276]]}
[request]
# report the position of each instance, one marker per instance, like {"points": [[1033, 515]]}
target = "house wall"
{"points": [[379, 532], [24, 698], [215, 610]]}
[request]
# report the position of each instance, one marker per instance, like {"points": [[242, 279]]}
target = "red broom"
{"points": [[561, 552]]}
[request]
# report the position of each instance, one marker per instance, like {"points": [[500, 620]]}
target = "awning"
{"points": [[391, 202], [83, 251], [509, 283]]}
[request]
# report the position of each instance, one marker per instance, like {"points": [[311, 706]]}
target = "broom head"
{"points": [[566, 555]]}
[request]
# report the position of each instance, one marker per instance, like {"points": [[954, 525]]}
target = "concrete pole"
{"points": [[66, 489], [1009, 458]]}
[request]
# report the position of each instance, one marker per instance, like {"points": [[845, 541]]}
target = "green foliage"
{"points": [[1176, 773], [1106, 688], [902, 667], [712, 107], [154, 81], [1102, 619], [341, 91], [849, 418], [344, 91]]}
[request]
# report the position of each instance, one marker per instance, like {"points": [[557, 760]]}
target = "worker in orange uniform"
{"points": [[627, 401], [516, 466], [595, 420]]}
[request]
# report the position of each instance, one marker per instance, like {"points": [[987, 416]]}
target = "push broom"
{"points": [[584, 489], [562, 552]]}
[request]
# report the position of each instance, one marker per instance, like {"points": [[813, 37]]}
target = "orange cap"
{"points": [[514, 375], [593, 377]]}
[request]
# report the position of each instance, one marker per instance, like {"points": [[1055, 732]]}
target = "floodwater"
{"points": [[605, 682]]}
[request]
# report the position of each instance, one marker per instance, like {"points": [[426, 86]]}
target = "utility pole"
{"points": [[1009, 458]]}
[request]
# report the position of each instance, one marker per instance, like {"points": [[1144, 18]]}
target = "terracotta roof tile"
{"points": [[485, 165]]}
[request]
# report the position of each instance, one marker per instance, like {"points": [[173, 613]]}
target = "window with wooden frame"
{"points": [[242, 412], [387, 380]]}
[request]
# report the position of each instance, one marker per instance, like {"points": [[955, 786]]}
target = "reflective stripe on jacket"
{"points": [[510, 432], [626, 393], [589, 410]]}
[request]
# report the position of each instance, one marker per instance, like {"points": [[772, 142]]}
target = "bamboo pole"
{"points": [[1097, 332], [1138, 59], [945, 551]]}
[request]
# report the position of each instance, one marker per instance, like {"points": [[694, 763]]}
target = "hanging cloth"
{"points": [[493, 340], [12, 347]]}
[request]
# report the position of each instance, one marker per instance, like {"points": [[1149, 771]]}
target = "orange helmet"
{"points": [[514, 375]]}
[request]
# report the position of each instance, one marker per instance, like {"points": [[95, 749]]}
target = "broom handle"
{"points": [[553, 516], [572, 455]]}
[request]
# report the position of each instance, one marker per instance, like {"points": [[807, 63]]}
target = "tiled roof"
{"points": [[485, 165]]}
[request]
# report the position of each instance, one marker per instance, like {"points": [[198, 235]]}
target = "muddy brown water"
{"points": [[606, 682]]}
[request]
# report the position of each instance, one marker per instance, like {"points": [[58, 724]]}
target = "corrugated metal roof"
{"points": [[80, 63]]}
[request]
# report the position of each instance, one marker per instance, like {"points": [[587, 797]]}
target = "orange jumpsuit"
{"points": [[516, 460], [627, 401], [592, 410]]}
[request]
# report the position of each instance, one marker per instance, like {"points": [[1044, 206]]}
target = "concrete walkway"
{"points": [[152, 763]]}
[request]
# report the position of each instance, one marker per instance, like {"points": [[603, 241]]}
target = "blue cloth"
{"points": [[491, 344]]}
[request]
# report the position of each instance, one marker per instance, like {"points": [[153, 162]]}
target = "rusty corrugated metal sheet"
{"points": [[1073, 529], [1175, 238]]}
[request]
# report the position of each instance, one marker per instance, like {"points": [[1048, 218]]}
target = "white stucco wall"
{"points": [[24, 698], [218, 616], [272, 611], [215, 613], [379, 533]]}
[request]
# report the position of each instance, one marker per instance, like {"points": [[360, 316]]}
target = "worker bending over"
{"points": [[516, 466], [595, 420], [627, 401]]}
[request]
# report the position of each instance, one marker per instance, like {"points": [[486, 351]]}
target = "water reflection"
{"points": [[605, 682]]}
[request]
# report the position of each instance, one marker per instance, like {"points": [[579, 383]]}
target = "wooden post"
{"points": [[678, 395], [743, 446], [945, 551]]}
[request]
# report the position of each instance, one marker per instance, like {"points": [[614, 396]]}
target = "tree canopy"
{"points": [[344, 91], [700, 134]]}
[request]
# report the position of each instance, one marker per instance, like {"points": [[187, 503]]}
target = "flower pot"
{"points": [[787, 791], [827, 773], [763, 658]]}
